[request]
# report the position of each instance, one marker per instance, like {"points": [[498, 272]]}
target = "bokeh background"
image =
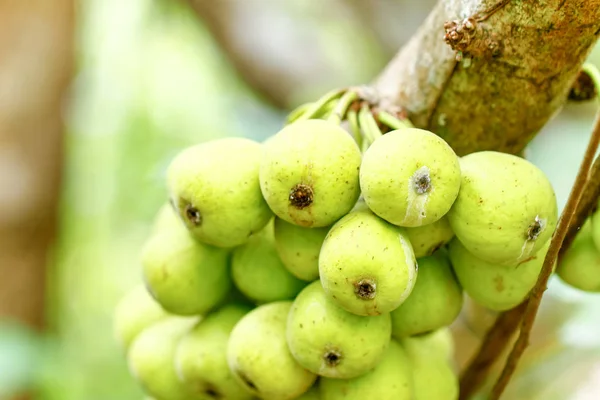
{"points": [[146, 78]]}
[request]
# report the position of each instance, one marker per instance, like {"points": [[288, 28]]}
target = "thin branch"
{"points": [[491, 348], [533, 303]]}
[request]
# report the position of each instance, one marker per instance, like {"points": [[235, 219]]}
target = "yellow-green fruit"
{"points": [[135, 312], [299, 248], [259, 273], [215, 189], [427, 239], [435, 301], [595, 228], [185, 276], [166, 219], [441, 341], [201, 357], [259, 358], [506, 209], [580, 265], [367, 266], [390, 380], [309, 173], [410, 177], [151, 355], [433, 377], [332, 342], [312, 394], [497, 287]]}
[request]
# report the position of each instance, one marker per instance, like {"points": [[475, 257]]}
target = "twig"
{"points": [[492, 346], [533, 303]]}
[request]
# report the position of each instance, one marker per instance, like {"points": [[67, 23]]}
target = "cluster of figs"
{"points": [[328, 261]]}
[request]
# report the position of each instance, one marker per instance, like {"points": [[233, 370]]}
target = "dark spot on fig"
{"points": [[422, 181], [365, 289], [435, 248], [301, 196], [192, 214], [332, 358], [535, 228], [423, 333], [212, 393], [247, 381]]}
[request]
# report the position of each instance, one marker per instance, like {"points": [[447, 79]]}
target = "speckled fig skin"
{"points": [[309, 173], [185, 277], [332, 342], [580, 265], [259, 358], [506, 209], [201, 356], [497, 287], [150, 359], [299, 248], [134, 312], [427, 239], [435, 301], [259, 273], [410, 177], [367, 266], [391, 379], [215, 188], [433, 375]]}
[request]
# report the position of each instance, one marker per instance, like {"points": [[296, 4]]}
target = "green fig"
{"points": [[215, 188], [150, 359], [332, 342], [201, 356], [427, 239], [135, 311], [309, 173], [166, 219], [259, 273], [441, 341], [410, 177], [579, 267], [299, 248], [433, 377], [259, 358], [595, 228], [367, 266], [506, 209], [185, 276], [391, 379], [312, 394], [497, 287], [435, 301]]}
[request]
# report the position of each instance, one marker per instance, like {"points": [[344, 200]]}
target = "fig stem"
{"points": [[388, 119], [319, 105], [341, 108], [368, 125], [354, 127], [297, 113]]}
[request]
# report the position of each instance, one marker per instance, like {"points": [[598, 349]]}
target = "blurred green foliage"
{"points": [[150, 82]]}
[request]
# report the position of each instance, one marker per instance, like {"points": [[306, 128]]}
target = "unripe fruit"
{"points": [[595, 228], [299, 248], [506, 209], [391, 379], [166, 219], [312, 394], [435, 301], [185, 276], [580, 265], [259, 273], [259, 358], [150, 359], [427, 239], [497, 287], [201, 356], [332, 342], [309, 173], [135, 312], [215, 189], [433, 376], [367, 265], [410, 177], [441, 342]]}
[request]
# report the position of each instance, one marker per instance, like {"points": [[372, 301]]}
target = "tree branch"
{"points": [[516, 72]]}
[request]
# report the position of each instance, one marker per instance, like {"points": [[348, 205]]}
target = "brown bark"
{"points": [[516, 72], [36, 61]]}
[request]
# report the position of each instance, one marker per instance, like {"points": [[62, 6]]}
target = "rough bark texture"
{"points": [[523, 61], [36, 45]]}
